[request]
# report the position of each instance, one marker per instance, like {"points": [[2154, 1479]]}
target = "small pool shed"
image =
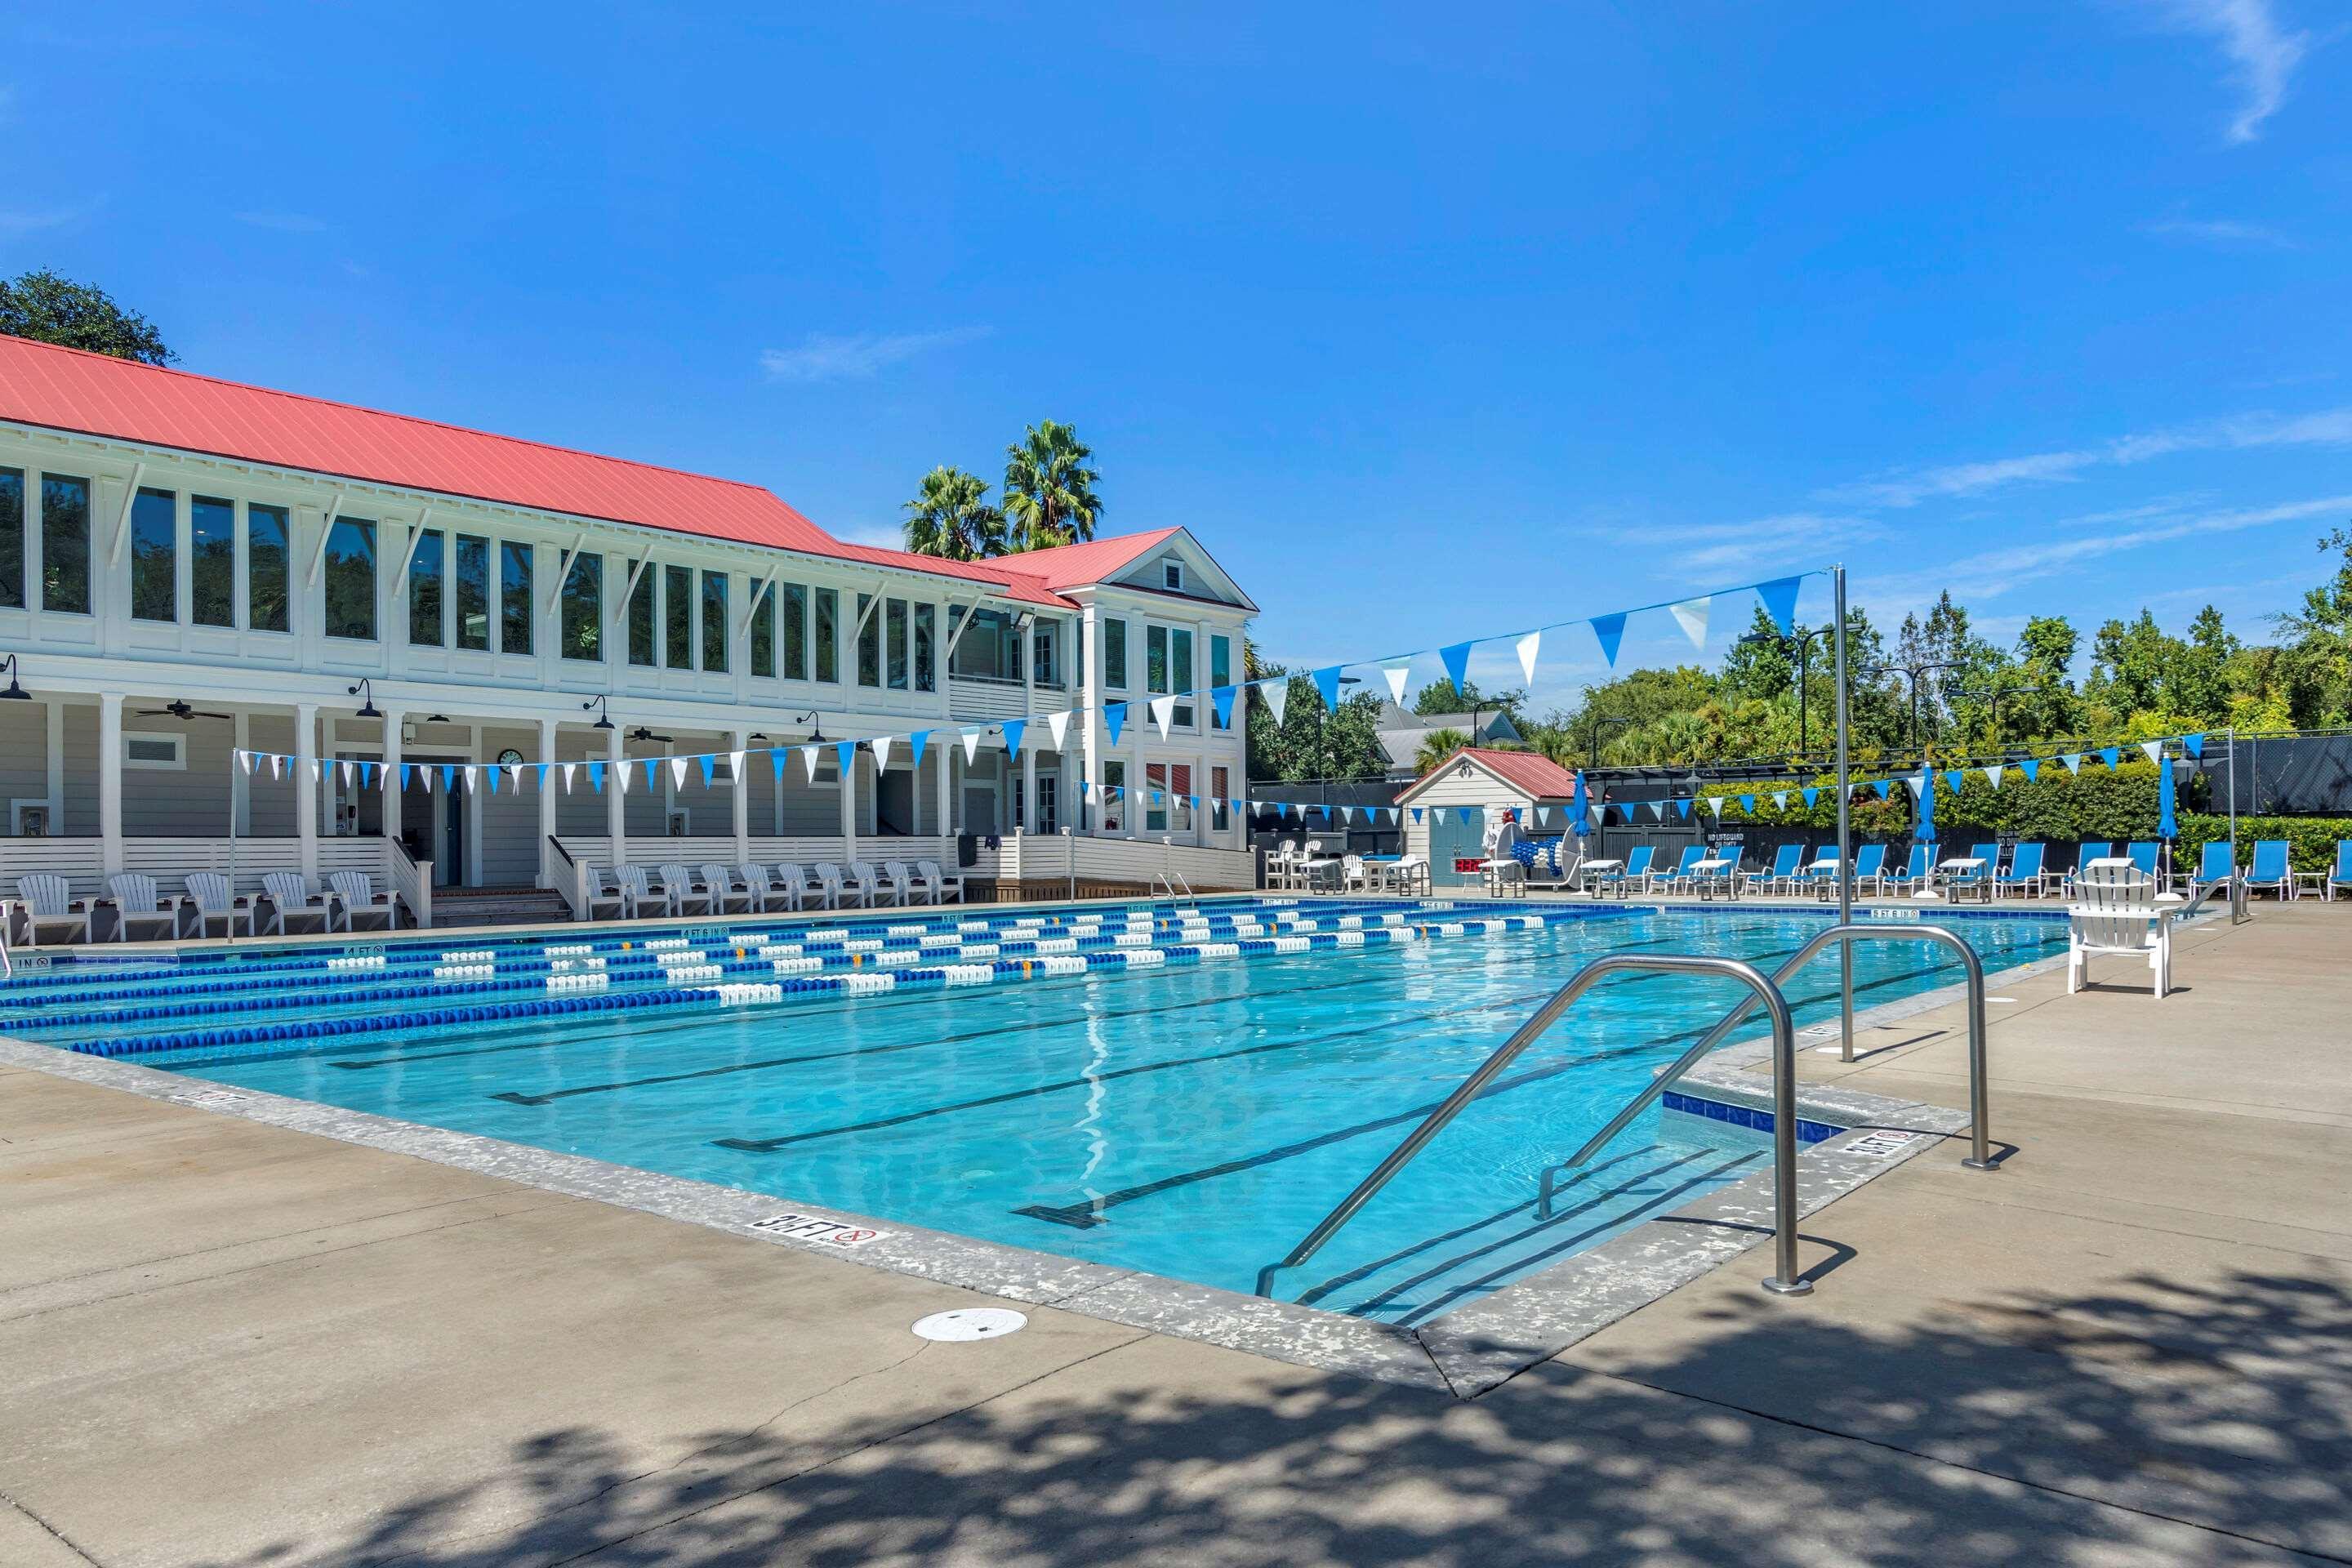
{"points": [[1504, 789]]}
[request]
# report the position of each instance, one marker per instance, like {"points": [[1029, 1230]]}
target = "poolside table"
{"points": [[1823, 885], [1589, 876], [1705, 875], [1963, 877]]}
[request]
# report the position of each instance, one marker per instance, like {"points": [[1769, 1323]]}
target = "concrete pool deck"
{"points": [[228, 1343]]}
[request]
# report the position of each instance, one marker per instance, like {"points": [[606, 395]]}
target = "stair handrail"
{"points": [[1785, 1279]]}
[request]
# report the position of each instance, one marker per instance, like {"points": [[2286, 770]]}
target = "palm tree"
{"points": [[1436, 746], [1049, 489], [953, 519]]}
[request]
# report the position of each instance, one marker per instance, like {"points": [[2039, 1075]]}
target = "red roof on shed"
{"points": [[1528, 772]]}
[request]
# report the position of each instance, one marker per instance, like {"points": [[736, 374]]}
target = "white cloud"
{"points": [[33, 220], [1725, 546], [856, 356], [2230, 234], [876, 535], [2262, 54], [283, 223], [1963, 478]]}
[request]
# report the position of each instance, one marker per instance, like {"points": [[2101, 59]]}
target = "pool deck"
{"points": [[229, 1343]]}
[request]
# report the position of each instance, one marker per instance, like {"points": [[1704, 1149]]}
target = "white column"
{"points": [[56, 757], [1029, 786], [947, 765], [616, 815], [477, 807], [547, 788], [240, 783], [1086, 661], [306, 784], [110, 779], [391, 784], [849, 807], [739, 740]]}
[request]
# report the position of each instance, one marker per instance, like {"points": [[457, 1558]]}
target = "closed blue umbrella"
{"points": [[1925, 834], [1579, 809], [2166, 828]]}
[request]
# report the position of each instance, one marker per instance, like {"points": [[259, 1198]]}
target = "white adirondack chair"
{"points": [[48, 900], [606, 892], [765, 893], [879, 883], [938, 883], [290, 893], [841, 891], [912, 890], [798, 888], [209, 892], [137, 901], [685, 893], [727, 893], [2116, 913], [356, 891]]}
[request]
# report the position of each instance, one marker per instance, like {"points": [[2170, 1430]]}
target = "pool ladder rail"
{"points": [[1763, 991]]}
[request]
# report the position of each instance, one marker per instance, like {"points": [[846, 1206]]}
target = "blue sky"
{"points": [[1430, 325]]}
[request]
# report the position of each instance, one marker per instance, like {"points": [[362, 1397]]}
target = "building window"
{"points": [[869, 643], [581, 635], [1114, 636], [1042, 640], [1169, 782], [1114, 794], [642, 619], [763, 637], [64, 544], [268, 569], [12, 538], [1049, 819], [515, 616], [895, 614], [154, 556], [424, 596], [714, 621], [1221, 673], [473, 592], [828, 642], [677, 617], [158, 751], [1171, 576], [1168, 666], [1220, 784], [795, 630], [927, 677], [350, 579], [989, 650], [212, 561]]}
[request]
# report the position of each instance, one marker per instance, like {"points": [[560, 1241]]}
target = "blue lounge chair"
{"points": [[2090, 849], [2219, 863], [2270, 869], [1681, 873], [2342, 876], [1637, 870], [2143, 857], [1869, 866], [2024, 872], [1784, 866], [1987, 853], [1914, 874]]}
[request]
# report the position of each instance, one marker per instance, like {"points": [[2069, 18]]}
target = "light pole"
{"points": [[1803, 640], [1916, 672], [1597, 723]]}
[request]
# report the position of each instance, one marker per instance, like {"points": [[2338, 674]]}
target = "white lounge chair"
{"points": [[841, 891], [938, 882], [48, 901], [291, 893], [137, 901], [607, 892], [797, 886], [765, 893], [1352, 873], [685, 893], [912, 890], [727, 894], [879, 883], [2115, 912], [644, 897], [209, 892], [356, 891]]}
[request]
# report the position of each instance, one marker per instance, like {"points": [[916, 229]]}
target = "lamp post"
{"points": [[1916, 672], [1803, 641], [1598, 720]]}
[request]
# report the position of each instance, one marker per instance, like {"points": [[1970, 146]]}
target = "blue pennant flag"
{"points": [[1812, 795], [1610, 631], [2193, 744], [914, 750], [1416, 817], [845, 757], [449, 777], [596, 777], [542, 778], [1013, 732], [404, 777], [1192, 803], [1747, 804], [367, 775], [1327, 815], [1115, 720], [1881, 786], [1456, 660], [776, 758], [2109, 756], [494, 779], [705, 759], [1952, 780], [2031, 768], [1221, 697], [1684, 806], [1326, 681], [1779, 598]]}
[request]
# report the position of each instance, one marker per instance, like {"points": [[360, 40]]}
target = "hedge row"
{"points": [[2058, 808], [2311, 840]]}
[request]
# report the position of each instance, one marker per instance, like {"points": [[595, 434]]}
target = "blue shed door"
{"points": [[1454, 839]]}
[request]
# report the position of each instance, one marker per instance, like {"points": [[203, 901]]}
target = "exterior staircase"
{"points": [[498, 907]]}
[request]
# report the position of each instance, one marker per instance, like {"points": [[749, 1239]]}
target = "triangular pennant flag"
{"points": [[1813, 795], [1609, 631], [1779, 597], [621, 775], [845, 754], [404, 770], [277, 767], [1222, 699], [2110, 755], [735, 766], [448, 778], [1327, 683], [678, 772], [1416, 816], [1163, 709], [494, 780], [1058, 725], [542, 778], [1993, 772], [347, 776], [1397, 671], [245, 760], [1115, 720], [1348, 813], [709, 762], [1691, 615], [568, 769], [970, 739], [1714, 804], [1016, 728], [2154, 750], [915, 744], [881, 744], [2194, 745], [1918, 782], [2074, 761], [367, 775], [653, 771], [2031, 769], [1747, 803], [1880, 786], [1682, 809], [1276, 694], [1952, 777], [1780, 800], [1456, 660], [808, 760], [1529, 646], [776, 761], [596, 777]]}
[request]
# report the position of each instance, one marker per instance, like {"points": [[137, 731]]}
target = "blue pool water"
{"points": [[1191, 1117]]}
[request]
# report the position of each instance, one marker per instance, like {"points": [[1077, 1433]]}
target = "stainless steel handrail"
{"points": [[1784, 1281]]}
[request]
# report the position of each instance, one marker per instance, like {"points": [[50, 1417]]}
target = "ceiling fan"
{"points": [[643, 733], [178, 708]]}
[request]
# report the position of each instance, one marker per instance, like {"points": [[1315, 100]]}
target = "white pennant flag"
{"points": [[1691, 615], [1527, 646], [1714, 804], [2154, 750], [347, 776], [735, 766], [1347, 814], [514, 775], [1994, 772], [1918, 786], [425, 772], [1163, 709], [473, 781], [971, 746], [277, 766], [1543, 815], [621, 772], [881, 744], [677, 773], [808, 760], [1779, 799], [1058, 725], [1396, 674], [1277, 696], [567, 767]]}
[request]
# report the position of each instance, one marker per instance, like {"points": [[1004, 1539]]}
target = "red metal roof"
{"points": [[1531, 773], [94, 395]]}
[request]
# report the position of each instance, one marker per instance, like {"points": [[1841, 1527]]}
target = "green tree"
{"points": [[951, 518], [1442, 696], [1309, 744], [50, 308], [1436, 746], [1049, 489], [2317, 676]]}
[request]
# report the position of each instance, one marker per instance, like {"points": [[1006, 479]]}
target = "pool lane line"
{"points": [[1736, 1158], [1085, 1216]]}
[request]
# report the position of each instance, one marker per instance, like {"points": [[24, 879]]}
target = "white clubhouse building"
{"points": [[190, 568]]}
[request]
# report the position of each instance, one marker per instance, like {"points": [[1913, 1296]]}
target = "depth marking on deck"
{"points": [[808, 1227]]}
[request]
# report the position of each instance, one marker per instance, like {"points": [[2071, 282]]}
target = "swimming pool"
{"points": [[1175, 1091]]}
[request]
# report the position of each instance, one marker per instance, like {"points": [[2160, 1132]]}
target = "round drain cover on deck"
{"points": [[966, 1323]]}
